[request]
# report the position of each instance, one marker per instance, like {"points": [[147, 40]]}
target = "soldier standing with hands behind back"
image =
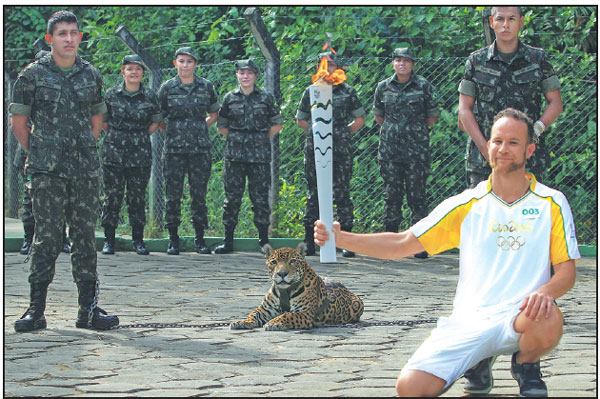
{"points": [[27, 213], [248, 118], [508, 73], [62, 95], [133, 115], [406, 106], [185, 101]]}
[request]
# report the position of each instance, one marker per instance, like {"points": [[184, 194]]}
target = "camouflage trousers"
{"points": [[400, 178], [27, 213], [56, 200], [342, 173], [197, 167], [478, 169], [259, 183], [116, 178]]}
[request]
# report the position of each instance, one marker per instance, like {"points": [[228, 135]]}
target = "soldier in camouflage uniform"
{"points": [[508, 73], [62, 96], [132, 116], [248, 118], [405, 105], [348, 117], [27, 213], [185, 100]]}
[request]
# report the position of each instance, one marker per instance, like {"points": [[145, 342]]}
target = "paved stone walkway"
{"points": [[216, 361]]}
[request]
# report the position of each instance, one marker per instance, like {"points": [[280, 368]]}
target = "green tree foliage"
{"points": [[365, 37]]}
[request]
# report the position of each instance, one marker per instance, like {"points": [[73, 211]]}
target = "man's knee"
{"points": [[546, 332], [414, 383]]}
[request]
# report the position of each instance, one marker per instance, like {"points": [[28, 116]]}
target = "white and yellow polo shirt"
{"points": [[505, 249]]}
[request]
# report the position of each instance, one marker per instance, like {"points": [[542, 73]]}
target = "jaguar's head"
{"points": [[286, 265]]}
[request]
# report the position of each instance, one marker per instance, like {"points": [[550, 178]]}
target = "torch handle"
{"points": [[324, 184]]}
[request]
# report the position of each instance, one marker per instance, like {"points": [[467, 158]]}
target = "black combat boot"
{"points": [[137, 240], [33, 318], [227, 246], [66, 248], [309, 240], [27, 238], [109, 240], [89, 314], [345, 252], [173, 242], [199, 243], [263, 237]]}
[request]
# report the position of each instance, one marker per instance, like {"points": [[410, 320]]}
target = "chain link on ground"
{"points": [[359, 324]]}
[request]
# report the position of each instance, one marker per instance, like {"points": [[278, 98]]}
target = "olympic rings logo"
{"points": [[510, 242]]}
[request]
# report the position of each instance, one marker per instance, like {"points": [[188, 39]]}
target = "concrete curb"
{"points": [[13, 244], [123, 243]]}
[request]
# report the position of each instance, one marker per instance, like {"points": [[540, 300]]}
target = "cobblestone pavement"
{"points": [[216, 361]]}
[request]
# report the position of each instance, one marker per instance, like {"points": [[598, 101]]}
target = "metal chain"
{"points": [[94, 303], [408, 323], [170, 325]]}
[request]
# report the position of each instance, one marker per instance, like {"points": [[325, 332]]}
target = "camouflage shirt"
{"points": [[405, 107], [185, 107], [129, 115], [248, 119], [497, 84], [59, 105], [346, 107]]}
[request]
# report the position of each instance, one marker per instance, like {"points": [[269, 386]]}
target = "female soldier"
{"points": [[133, 115], [248, 118], [185, 102]]}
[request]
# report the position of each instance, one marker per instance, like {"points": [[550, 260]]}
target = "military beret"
{"points": [[246, 64], [403, 52], [132, 59], [187, 51]]}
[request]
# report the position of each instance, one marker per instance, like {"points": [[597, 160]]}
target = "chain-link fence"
{"points": [[573, 168]]}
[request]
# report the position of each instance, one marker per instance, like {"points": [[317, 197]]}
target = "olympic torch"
{"points": [[322, 128]]}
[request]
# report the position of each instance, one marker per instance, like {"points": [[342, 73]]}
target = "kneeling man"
{"points": [[511, 231]]}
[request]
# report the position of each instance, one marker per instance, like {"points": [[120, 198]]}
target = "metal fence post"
{"points": [[40, 44], [156, 180], [272, 62], [487, 32], [12, 174]]}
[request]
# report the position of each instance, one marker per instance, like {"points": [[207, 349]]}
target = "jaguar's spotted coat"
{"points": [[299, 298]]}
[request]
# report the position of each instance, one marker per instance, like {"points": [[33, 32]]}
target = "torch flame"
{"points": [[323, 76]]}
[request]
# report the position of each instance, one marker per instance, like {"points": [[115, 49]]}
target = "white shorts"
{"points": [[457, 344]]}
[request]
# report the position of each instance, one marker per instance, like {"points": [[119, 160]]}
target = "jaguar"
{"points": [[299, 298]]}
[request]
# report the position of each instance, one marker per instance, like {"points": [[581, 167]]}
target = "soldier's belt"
{"points": [[143, 129], [187, 119], [248, 131]]}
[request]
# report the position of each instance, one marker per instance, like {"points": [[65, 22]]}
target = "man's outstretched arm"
{"points": [[377, 245]]}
